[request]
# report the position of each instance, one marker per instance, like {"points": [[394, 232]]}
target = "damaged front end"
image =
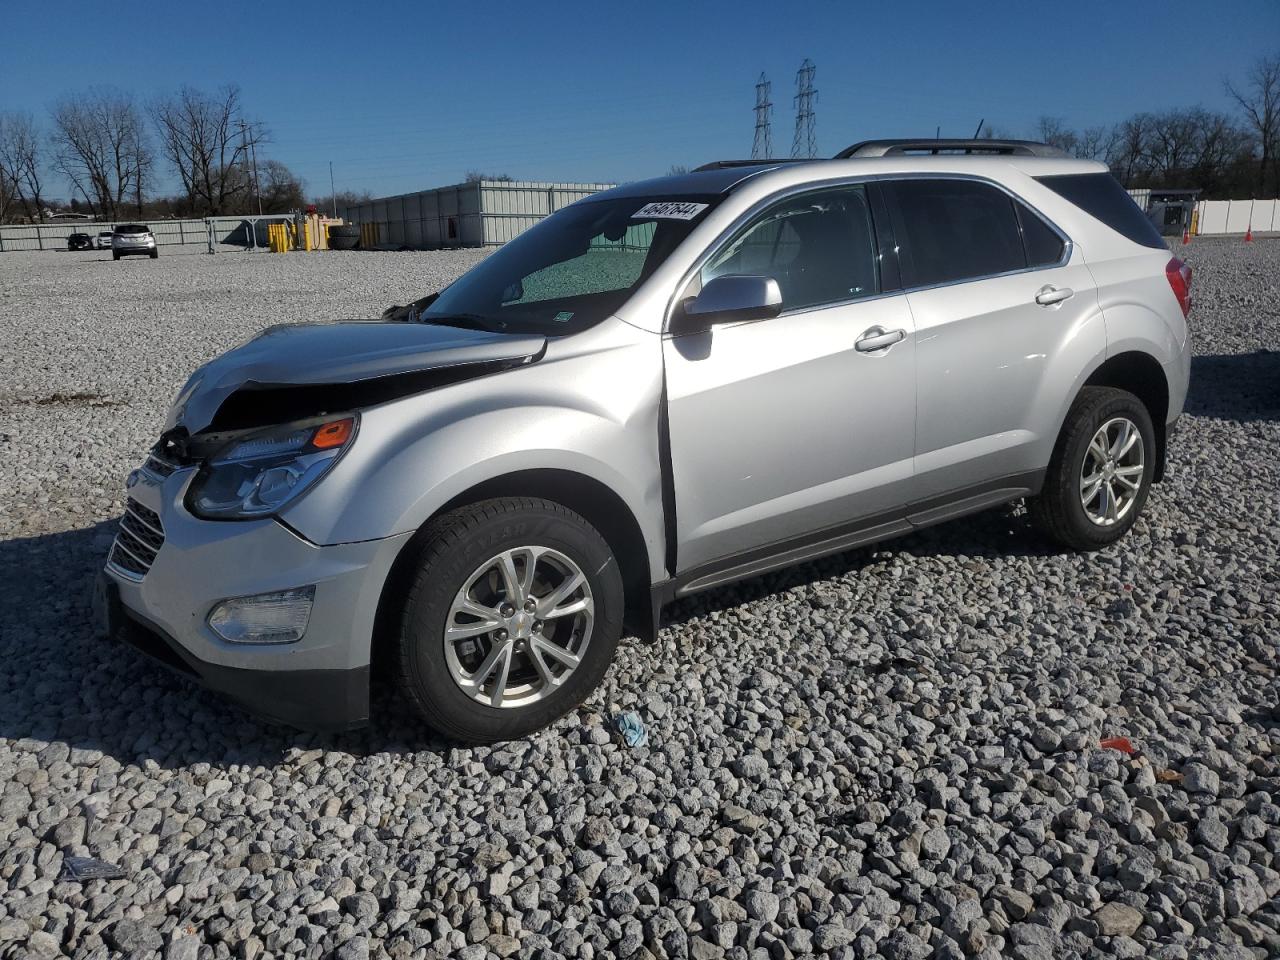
{"points": [[294, 371], [266, 420]]}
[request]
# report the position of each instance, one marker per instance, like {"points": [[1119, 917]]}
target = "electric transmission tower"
{"points": [[805, 144], [762, 146]]}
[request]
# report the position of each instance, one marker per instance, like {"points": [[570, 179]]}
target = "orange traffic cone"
{"points": [[1186, 236], [1248, 234]]}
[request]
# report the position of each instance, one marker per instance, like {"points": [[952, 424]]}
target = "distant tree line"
{"points": [[1223, 155], [106, 146]]}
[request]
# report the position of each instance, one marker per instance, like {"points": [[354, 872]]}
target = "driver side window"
{"points": [[819, 247]]}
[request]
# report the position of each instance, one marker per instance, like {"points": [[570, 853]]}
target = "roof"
{"points": [[721, 178], [698, 183]]}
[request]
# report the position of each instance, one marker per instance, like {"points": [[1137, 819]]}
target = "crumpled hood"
{"points": [[340, 352]]}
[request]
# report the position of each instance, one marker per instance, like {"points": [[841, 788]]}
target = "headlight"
{"points": [[261, 473]]}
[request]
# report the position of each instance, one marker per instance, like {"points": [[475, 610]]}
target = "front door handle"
{"points": [[877, 338], [1049, 295]]}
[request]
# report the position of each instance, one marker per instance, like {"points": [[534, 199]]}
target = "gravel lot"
{"points": [[894, 752]]}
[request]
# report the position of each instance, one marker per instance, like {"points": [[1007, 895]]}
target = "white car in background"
{"points": [[103, 240]]}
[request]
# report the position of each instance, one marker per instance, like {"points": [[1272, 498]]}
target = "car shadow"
{"points": [[63, 683], [1236, 386], [999, 532]]}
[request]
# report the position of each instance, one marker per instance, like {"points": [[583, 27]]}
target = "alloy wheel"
{"points": [[519, 626], [1111, 475]]}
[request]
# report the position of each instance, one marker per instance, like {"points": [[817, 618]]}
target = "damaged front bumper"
{"points": [[320, 681]]}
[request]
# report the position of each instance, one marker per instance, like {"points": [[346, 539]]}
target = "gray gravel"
{"points": [[894, 752]]}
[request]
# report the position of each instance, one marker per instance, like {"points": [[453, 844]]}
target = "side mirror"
{"points": [[729, 299]]}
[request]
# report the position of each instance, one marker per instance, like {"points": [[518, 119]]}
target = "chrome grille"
{"points": [[138, 541]]}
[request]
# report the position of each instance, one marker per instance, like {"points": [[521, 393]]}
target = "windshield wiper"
{"points": [[467, 321]]}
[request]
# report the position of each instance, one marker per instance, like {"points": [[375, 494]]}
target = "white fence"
{"points": [[1237, 216], [239, 231]]}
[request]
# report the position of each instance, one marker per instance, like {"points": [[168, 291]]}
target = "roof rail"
{"points": [[897, 148], [727, 164]]}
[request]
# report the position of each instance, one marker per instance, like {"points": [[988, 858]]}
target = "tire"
{"points": [[115, 255], [345, 230], [1060, 510], [459, 556], [154, 254], [343, 242]]}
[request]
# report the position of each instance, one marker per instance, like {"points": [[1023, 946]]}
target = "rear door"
{"points": [[783, 428], [997, 293]]}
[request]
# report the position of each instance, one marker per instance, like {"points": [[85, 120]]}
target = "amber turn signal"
{"points": [[333, 434]]}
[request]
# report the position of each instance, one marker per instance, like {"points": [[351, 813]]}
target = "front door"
{"points": [[786, 427]]}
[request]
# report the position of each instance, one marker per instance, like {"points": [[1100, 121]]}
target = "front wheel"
{"points": [[1101, 471], [511, 620]]}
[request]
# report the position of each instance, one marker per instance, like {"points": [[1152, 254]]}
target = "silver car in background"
{"points": [[657, 390], [133, 240]]}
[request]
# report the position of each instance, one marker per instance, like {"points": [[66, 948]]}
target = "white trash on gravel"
{"points": [[895, 752]]}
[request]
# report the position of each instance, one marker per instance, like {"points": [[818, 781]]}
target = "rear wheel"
{"points": [[1100, 474], [115, 255], [512, 618], [154, 254]]}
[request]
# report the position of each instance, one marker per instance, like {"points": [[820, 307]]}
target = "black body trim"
{"points": [[846, 536], [320, 700]]}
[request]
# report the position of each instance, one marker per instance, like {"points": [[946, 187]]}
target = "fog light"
{"points": [[266, 618]]}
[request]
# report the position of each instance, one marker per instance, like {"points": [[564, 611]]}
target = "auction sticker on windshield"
{"points": [[669, 210]]}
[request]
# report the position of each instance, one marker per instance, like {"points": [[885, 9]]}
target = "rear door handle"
{"points": [[1049, 295], [877, 338]]}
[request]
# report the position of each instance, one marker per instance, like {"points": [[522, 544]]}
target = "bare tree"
{"points": [[1092, 143], [282, 190], [475, 176], [101, 146], [1127, 155], [207, 140], [22, 159], [1172, 143], [1055, 132], [8, 195], [342, 200], [1260, 101]]}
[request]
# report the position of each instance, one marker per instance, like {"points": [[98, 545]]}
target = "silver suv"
{"points": [[133, 240], [657, 390]]}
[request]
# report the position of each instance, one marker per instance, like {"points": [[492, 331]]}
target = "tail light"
{"points": [[1179, 276]]}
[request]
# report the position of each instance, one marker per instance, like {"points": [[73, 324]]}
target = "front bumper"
{"points": [[319, 682]]}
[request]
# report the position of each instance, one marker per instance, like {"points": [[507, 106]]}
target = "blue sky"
{"points": [[404, 96]]}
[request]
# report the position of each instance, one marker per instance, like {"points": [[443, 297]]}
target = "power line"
{"points": [[805, 143], [762, 146]]}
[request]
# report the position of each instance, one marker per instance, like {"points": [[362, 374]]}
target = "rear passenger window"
{"points": [[1044, 246], [957, 230], [819, 247], [1101, 196]]}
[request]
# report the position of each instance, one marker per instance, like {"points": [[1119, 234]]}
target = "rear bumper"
{"points": [[328, 700]]}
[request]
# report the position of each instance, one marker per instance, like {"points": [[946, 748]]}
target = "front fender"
{"points": [[590, 408]]}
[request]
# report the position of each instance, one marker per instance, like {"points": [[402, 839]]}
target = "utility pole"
{"points": [[333, 194], [805, 144], [762, 146], [251, 147]]}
